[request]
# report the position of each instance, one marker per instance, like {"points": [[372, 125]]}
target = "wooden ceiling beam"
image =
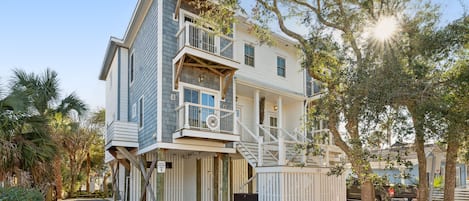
{"points": [[178, 72]]}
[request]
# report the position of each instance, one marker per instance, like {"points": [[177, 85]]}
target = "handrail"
{"points": [[267, 132], [247, 182], [205, 107], [180, 31], [249, 131], [288, 134], [248, 150], [208, 30]]}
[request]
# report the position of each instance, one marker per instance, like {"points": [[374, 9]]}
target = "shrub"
{"points": [[20, 194]]}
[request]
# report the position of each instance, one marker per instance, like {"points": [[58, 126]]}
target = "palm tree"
{"points": [[25, 144], [40, 94]]}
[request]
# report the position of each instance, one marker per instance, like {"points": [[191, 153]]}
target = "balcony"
{"points": [[122, 134], [199, 47], [199, 121], [206, 41]]}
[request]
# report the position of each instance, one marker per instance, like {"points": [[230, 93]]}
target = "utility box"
{"points": [[245, 197]]}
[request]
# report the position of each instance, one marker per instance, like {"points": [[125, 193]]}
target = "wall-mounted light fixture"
{"points": [[275, 107], [201, 77]]}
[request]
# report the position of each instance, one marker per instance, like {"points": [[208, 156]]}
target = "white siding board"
{"points": [[307, 185], [174, 178], [240, 175], [124, 84]]}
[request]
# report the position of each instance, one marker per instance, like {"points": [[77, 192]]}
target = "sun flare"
{"points": [[385, 28]]}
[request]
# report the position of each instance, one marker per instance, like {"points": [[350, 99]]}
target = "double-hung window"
{"points": [[249, 55], [281, 66]]}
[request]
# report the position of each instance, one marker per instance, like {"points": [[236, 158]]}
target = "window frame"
{"points": [[246, 56], [282, 68], [132, 68]]}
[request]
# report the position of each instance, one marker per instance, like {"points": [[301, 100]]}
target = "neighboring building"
{"points": [[435, 161], [220, 115]]}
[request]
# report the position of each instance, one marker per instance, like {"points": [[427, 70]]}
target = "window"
{"points": [[140, 113], [134, 110], [132, 71], [202, 104], [249, 55], [280, 66]]}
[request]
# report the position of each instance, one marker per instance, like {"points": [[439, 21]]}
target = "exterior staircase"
{"points": [[266, 149]]}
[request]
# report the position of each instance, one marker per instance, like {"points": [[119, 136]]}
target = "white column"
{"points": [[282, 149], [256, 112]]}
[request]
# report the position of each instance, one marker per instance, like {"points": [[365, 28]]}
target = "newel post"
{"points": [[186, 116]]}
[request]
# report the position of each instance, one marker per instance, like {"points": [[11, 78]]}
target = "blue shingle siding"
{"points": [[170, 27], [144, 49]]}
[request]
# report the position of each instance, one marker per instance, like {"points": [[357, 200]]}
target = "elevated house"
{"points": [[398, 173], [195, 116]]}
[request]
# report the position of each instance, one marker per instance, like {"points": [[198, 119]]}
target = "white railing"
{"points": [[282, 145], [194, 116], [122, 131], [322, 136], [205, 39]]}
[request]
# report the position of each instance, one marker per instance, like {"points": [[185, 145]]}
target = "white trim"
{"points": [[189, 147], [284, 68], [159, 102], [201, 90], [253, 56], [206, 135]]}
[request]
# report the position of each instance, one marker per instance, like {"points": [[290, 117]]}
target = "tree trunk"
{"points": [[105, 190], [419, 144], [367, 191], [72, 177], [88, 170], [58, 177], [422, 166], [450, 167]]}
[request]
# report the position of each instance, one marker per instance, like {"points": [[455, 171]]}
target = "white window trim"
{"points": [[284, 68], [200, 89], [141, 107], [244, 54]]}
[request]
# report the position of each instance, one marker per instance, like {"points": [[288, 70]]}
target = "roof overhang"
{"points": [[111, 49], [138, 16]]}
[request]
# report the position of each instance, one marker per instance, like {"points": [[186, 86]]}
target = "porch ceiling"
{"points": [[270, 95], [224, 71]]}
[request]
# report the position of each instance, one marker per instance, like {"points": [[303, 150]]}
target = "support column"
{"points": [[250, 174], [282, 149], [198, 180], [216, 176], [225, 176], [256, 112], [160, 177]]}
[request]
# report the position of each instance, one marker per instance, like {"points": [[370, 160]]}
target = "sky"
{"points": [[71, 37]]}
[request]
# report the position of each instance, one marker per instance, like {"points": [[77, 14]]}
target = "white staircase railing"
{"points": [[277, 146]]}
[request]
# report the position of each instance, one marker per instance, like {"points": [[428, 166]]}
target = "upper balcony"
{"points": [[122, 134], [200, 121], [204, 43], [200, 47]]}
